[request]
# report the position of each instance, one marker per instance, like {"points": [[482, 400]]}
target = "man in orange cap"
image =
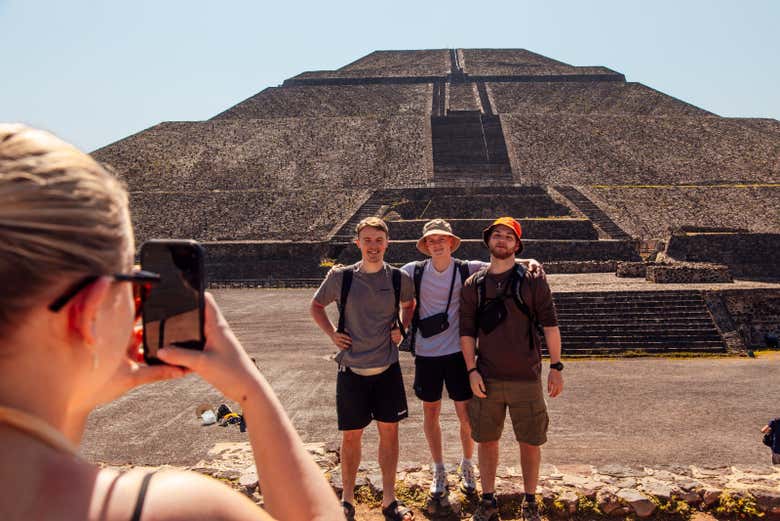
{"points": [[499, 309]]}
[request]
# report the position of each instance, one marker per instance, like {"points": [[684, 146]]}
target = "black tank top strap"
{"points": [[139, 503]]}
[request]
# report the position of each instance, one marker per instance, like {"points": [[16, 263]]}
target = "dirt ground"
{"points": [[644, 411]]}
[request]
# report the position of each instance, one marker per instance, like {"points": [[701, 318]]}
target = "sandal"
{"points": [[397, 512], [349, 510]]}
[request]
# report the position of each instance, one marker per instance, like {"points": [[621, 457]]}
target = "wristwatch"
{"points": [[558, 366]]}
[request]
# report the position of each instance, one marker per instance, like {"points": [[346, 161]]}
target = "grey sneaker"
{"points": [[530, 512], [468, 484], [486, 511], [439, 482]]}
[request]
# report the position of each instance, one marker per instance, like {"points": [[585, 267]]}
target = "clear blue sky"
{"points": [[94, 72]]}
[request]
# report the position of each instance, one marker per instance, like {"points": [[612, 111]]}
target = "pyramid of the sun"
{"points": [[592, 163]]}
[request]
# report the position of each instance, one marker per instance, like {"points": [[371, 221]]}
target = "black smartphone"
{"points": [[173, 310]]}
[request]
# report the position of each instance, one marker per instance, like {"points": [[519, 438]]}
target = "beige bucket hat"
{"points": [[436, 227]]}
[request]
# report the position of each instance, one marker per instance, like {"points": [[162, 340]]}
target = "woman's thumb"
{"points": [[188, 358]]}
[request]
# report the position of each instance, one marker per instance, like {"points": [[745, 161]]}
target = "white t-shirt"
{"points": [[434, 288]]}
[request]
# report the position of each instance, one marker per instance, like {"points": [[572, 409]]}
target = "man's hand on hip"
{"points": [[554, 383], [477, 384], [396, 336], [341, 340]]}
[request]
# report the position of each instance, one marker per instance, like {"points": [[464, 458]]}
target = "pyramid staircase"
{"points": [[640, 321], [551, 232], [593, 212]]}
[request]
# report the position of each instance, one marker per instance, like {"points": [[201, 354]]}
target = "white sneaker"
{"points": [[468, 483], [439, 482]]}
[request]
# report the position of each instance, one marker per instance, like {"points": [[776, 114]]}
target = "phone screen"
{"points": [[173, 309]]}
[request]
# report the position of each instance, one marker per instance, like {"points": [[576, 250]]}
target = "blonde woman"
{"points": [[67, 344]]}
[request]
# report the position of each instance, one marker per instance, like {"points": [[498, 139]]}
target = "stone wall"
{"points": [[753, 313], [271, 260], [241, 215], [687, 273], [571, 149], [606, 97], [330, 101], [520, 62], [746, 255], [543, 250], [532, 228], [463, 96], [649, 212], [280, 154]]}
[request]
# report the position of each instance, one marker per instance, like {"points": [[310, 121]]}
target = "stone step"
{"points": [[595, 314], [615, 349], [562, 228], [629, 328], [619, 338], [649, 319], [543, 250]]}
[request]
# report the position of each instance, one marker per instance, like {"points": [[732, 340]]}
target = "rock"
{"points": [[317, 449], [569, 498], [333, 446], [624, 483], [766, 499], [249, 481], [711, 496], [227, 474], [689, 484], [409, 466], [509, 472], [708, 472], [658, 489], [639, 503], [335, 481], [761, 470], [620, 471], [690, 496], [375, 481], [608, 502]]}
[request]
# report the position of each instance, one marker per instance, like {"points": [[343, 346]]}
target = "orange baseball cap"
{"points": [[506, 221]]}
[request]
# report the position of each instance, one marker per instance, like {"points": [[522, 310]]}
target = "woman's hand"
{"points": [[223, 362], [133, 372]]}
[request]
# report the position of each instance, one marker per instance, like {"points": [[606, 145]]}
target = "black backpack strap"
{"points": [[517, 295], [463, 267], [346, 284], [419, 269], [479, 283], [396, 276]]}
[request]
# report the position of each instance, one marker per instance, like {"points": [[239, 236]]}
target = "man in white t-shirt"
{"points": [[439, 361]]}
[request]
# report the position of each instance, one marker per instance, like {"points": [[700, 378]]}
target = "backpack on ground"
{"points": [[514, 288], [769, 438], [419, 268], [346, 285]]}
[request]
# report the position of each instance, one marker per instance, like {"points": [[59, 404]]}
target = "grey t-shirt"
{"points": [[369, 314]]}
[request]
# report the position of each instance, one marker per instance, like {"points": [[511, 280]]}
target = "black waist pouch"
{"points": [[493, 313], [433, 325]]}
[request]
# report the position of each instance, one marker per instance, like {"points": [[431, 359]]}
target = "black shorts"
{"points": [[430, 372], [360, 399]]}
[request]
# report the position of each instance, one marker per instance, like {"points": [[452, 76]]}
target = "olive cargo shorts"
{"points": [[527, 410]]}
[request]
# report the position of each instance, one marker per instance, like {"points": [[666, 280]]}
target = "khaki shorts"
{"points": [[527, 410]]}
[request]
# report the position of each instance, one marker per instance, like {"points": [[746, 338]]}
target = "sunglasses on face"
{"points": [[142, 281]]}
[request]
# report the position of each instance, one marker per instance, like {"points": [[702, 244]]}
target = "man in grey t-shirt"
{"points": [[369, 384]]}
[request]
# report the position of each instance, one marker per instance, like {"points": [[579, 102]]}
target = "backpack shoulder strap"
{"points": [[346, 284], [396, 276], [419, 269], [463, 267], [479, 283], [518, 277]]}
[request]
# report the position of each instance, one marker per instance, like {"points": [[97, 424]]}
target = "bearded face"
{"points": [[503, 243]]}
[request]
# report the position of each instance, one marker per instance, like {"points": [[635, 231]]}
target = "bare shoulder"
{"points": [[179, 495]]}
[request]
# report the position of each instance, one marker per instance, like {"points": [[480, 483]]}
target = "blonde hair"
{"points": [[372, 222], [61, 214]]}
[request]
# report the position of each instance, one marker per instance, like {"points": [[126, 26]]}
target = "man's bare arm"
{"points": [[340, 340], [552, 336]]}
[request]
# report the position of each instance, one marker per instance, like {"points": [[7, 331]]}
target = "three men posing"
{"points": [[439, 362]]}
